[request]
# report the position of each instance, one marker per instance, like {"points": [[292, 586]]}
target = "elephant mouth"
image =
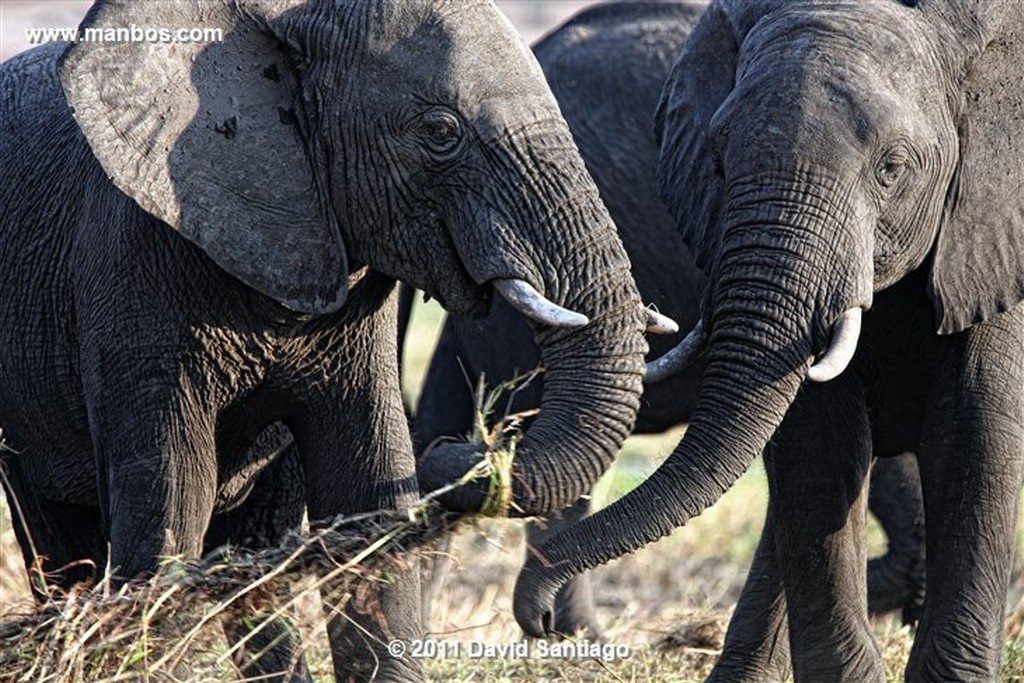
{"points": [[448, 278], [474, 302], [467, 292], [451, 285]]}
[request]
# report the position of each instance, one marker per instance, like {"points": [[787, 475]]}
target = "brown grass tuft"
{"points": [[171, 623]]}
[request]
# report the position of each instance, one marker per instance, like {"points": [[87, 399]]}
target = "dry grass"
{"points": [[171, 623], [669, 603]]}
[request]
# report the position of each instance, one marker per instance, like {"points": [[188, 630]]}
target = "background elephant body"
{"points": [[848, 175], [606, 67], [199, 240]]}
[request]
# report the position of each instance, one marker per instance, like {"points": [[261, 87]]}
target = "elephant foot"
{"points": [[725, 672]]}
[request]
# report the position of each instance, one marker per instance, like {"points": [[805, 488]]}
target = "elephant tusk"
{"points": [[840, 351], [660, 324], [531, 303], [679, 357]]}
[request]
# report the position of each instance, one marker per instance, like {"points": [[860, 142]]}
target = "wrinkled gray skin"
{"points": [[606, 67], [205, 242], [868, 155]]}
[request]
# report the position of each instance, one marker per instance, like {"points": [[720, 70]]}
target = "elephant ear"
{"points": [[205, 137], [701, 79], [978, 266]]}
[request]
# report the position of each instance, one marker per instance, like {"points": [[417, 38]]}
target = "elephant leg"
{"points": [[972, 459], [157, 461], [757, 643], [818, 465], [896, 579], [445, 409], [374, 613], [357, 456], [269, 651], [63, 540], [574, 602]]}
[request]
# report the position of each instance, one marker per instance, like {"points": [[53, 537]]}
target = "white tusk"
{"points": [[660, 324], [840, 351], [678, 358], [534, 306]]}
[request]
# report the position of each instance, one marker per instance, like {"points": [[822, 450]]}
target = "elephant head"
{"points": [[416, 138], [815, 153]]}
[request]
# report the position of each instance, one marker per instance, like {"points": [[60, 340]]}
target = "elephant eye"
{"points": [[440, 131], [892, 167]]}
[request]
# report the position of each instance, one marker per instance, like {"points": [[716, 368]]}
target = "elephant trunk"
{"points": [[590, 399], [592, 373], [728, 430], [767, 309]]}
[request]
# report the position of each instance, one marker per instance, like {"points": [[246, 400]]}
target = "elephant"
{"points": [[201, 239], [849, 175], [606, 66]]}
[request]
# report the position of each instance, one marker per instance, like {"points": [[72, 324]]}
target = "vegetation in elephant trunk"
{"points": [[765, 329]]}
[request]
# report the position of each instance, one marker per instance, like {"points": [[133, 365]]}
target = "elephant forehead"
{"points": [[455, 52], [874, 80], [500, 115], [887, 33]]}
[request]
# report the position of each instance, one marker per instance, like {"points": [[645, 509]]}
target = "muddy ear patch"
{"points": [[272, 74], [228, 128], [978, 264], [286, 116]]}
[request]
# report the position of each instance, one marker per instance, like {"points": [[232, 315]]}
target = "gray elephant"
{"points": [[606, 67], [858, 171], [201, 239]]}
